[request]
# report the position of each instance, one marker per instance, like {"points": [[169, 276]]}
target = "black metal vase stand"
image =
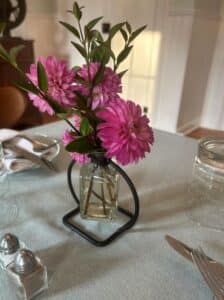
{"points": [[132, 216]]}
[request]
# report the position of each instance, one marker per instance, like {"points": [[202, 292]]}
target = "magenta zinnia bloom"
{"points": [[68, 138], [125, 133], [60, 84], [107, 89]]}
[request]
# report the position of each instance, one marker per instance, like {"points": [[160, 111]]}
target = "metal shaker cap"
{"points": [[25, 262], [9, 244]]}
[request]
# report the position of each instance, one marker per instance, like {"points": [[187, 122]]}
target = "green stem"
{"points": [[88, 196], [110, 192], [81, 33], [87, 62], [103, 195], [72, 126]]}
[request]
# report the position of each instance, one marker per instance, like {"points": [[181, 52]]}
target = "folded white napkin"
{"points": [[12, 163], [7, 134], [17, 164]]}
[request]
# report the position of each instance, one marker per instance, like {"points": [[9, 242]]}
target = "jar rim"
{"points": [[99, 158], [211, 152]]}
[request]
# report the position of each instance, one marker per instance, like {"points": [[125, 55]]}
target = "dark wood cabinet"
{"points": [[26, 57], [8, 75]]}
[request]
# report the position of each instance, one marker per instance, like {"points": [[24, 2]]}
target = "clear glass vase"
{"points": [[99, 184], [205, 192]]}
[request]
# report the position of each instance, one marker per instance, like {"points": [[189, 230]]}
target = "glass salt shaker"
{"points": [[206, 190], [9, 246], [27, 275]]}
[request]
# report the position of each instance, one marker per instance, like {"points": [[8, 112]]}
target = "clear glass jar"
{"points": [[99, 184], [206, 190]]}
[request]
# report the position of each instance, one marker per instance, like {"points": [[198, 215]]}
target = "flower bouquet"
{"points": [[102, 125]]}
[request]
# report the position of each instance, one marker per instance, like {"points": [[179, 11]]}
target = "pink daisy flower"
{"points": [[68, 138], [125, 133], [60, 84], [108, 88]]}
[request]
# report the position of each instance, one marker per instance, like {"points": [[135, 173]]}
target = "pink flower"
{"points": [[107, 89], [68, 138], [60, 84], [124, 132]]}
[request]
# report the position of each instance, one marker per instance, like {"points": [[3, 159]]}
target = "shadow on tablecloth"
{"points": [[70, 267]]}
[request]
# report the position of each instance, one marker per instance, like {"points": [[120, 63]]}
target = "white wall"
{"points": [[175, 24], [201, 50], [213, 113]]}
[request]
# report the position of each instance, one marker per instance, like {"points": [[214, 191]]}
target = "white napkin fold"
{"points": [[17, 164], [12, 163]]}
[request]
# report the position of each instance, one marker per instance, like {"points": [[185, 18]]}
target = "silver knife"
{"points": [[30, 156], [182, 249]]}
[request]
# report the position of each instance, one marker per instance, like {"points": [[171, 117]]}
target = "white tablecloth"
{"points": [[140, 265]]}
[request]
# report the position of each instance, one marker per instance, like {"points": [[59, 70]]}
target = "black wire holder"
{"points": [[133, 216]]}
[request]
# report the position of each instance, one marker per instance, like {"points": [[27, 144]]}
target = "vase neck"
{"points": [[99, 158]]}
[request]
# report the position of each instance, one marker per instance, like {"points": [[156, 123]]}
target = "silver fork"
{"points": [[49, 164], [211, 275]]}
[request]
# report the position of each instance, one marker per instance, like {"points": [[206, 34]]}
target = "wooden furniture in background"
{"points": [[203, 132], [8, 75], [12, 106]]}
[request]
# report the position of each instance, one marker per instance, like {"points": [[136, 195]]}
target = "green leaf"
{"points": [[27, 87], [85, 127], [14, 52], [136, 33], [124, 54], [92, 23], [81, 101], [124, 34], [112, 54], [115, 29], [121, 74], [4, 54], [42, 77], [96, 35], [71, 28], [87, 33], [80, 49], [101, 54], [128, 26], [76, 68], [80, 145], [81, 80], [55, 106], [2, 27], [77, 11], [99, 75], [94, 45]]}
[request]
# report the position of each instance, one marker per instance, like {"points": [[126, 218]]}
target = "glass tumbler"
{"points": [[206, 190]]}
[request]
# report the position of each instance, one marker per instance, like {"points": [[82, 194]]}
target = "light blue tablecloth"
{"points": [[140, 265]]}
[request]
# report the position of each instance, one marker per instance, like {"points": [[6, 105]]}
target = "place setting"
{"points": [[204, 208], [23, 152]]}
